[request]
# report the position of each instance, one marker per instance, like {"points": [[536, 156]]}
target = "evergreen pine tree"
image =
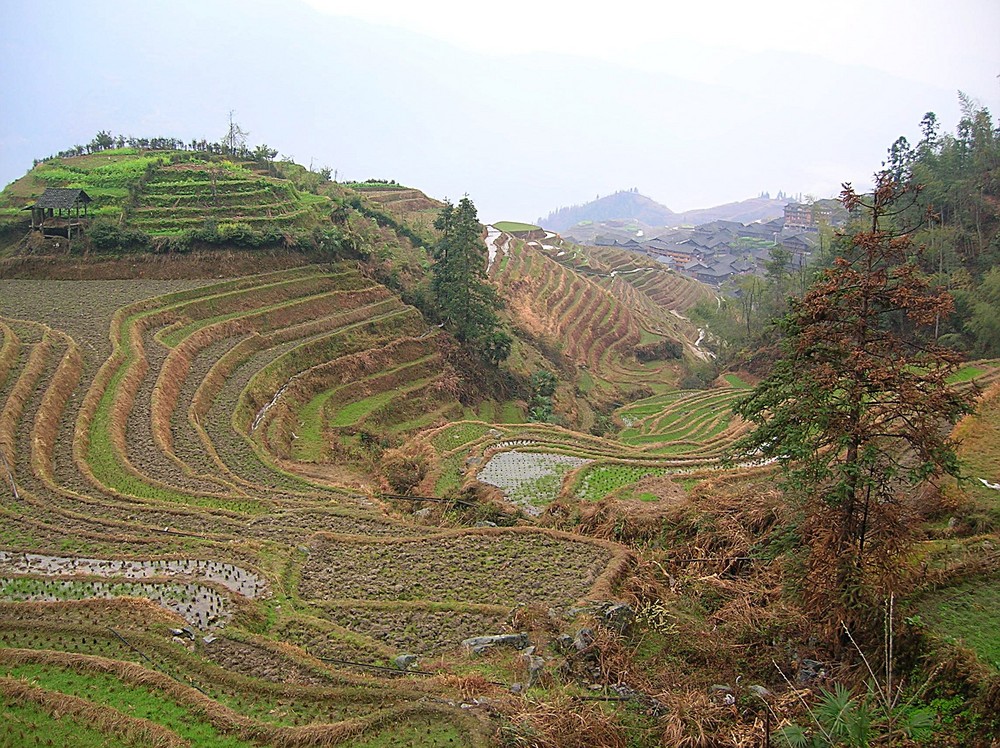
{"points": [[465, 299]]}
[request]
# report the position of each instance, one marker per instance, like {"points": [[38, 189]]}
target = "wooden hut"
{"points": [[60, 212]]}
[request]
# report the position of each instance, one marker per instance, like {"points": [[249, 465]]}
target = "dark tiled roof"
{"points": [[61, 198], [799, 241]]}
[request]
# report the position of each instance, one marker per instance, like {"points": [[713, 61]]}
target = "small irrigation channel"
{"points": [[199, 604], [493, 234], [274, 401]]}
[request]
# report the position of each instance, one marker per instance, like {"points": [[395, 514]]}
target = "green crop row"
{"points": [[209, 212], [205, 197], [597, 481], [458, 434], [130, 699], [156, 225], [29, 725]]}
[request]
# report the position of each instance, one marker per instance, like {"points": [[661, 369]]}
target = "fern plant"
{"points": [[841, 719]]}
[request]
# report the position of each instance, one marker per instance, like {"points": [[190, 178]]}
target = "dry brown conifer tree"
{"points": [[857, 408]]}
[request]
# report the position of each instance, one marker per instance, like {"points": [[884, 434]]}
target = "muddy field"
{"points": [[491, 569], [81, 308]]}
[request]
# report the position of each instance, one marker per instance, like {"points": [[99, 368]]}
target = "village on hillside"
{"points": [[717, 251]]}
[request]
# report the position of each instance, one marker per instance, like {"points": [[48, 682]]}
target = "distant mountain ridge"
{"points": [[743, 211], [624, 205], [631, 206]]}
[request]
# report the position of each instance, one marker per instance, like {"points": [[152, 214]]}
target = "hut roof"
{"points": [[58, 197]]}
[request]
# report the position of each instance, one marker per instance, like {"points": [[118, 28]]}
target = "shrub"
{"points": [[699, 376], [404, 472], [105, 235], [240, 234], [661, 350]]}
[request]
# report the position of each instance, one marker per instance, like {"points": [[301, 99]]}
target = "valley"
{"points": [[255, 490]]}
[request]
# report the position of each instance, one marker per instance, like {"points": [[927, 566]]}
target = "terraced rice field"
{"points": [[191, 507], [530, 479], [184, 195], [668, 289], [689, 422], [596, 331], [685, 431], [191, 457]]}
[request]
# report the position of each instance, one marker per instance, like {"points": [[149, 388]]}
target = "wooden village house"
{"points": [[60, 212]]}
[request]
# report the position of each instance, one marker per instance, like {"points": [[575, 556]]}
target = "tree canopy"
{"points": [[960, 178], [855, 406]]}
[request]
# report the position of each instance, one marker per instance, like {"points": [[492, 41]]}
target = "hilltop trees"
{"points": [[235, 140], [854, 408], [102, 141], [960, 192], [961, 174], [466, 302]]}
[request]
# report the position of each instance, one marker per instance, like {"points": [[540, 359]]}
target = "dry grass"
{"points": [[46, 426], [692, 720], [561, 723], [21, 392], [468, 687], [9, 349]]}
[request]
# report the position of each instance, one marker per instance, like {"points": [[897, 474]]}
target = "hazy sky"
{"points": [[525, 106]]}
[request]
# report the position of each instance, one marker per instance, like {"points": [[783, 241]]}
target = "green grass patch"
{"points": [[513, 226], [965, 374], [970, 615], [451, 475], [309, 446], [15, 537], [458, 434], [597, 481], [424, 420], [511, 413], [354, 412], [735, 381], [487, 411]]}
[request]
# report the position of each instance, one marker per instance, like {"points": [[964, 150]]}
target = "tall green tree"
{"points": [[854, 408], [102, 141], [465, 299], [984, 319]]}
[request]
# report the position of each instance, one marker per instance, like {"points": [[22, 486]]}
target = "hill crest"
{"points": [[623, 205]]}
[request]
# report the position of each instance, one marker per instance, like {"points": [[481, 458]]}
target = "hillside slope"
{"points": [[742, 211], [262, 500], [169, 199]]}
